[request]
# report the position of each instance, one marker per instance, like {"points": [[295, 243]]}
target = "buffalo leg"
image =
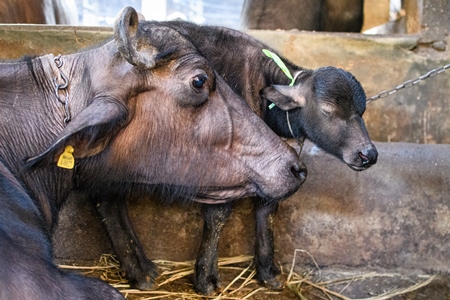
{"points": [[207, 278], [138, 269], [266, 270]]}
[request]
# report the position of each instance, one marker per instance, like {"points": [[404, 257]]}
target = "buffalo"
{"points": [[141, 110], [324, 105]]}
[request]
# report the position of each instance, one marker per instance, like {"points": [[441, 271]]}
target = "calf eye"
{"points": [[199, 81], [327, 109], [326, 113]]}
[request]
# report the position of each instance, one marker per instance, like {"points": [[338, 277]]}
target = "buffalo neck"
{"points": [[286, 124], [30, 119], [32, 116]]}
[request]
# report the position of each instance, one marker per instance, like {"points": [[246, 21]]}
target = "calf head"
{"points": [[326, 106], [161, 115]]}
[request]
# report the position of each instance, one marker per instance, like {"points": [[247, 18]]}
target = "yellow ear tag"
{"points": [[66, 159]]}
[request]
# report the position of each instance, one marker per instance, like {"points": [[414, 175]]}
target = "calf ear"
{"points": [[125, 35], [94, 124], [285, 97]]}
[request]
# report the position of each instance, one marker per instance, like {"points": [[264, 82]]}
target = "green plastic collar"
{"points": [[281, 65]]}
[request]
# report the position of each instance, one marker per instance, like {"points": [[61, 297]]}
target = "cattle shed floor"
{"points": [[312, 282]]}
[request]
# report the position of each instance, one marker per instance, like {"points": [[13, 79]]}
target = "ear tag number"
{"points": [[66, 159]]}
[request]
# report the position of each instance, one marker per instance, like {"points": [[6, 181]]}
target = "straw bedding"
{"points": [[238, 279]]}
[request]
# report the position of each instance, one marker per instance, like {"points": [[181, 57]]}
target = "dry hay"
{"points": [[175, 281], [327, 289]]}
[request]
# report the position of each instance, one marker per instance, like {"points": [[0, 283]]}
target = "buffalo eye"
{"points": [[199, 81]]}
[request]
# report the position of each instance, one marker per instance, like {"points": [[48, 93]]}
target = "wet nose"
{"points": [[299, 170], [369, 156]]}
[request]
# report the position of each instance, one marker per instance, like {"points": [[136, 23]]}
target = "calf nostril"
{"points": [[299, 172], [365, 159], [369, 156]]}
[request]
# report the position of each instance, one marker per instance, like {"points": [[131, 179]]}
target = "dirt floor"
{"points": [[175, 282]]}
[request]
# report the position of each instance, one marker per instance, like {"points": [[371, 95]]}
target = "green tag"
{"points": [[282, 66]]}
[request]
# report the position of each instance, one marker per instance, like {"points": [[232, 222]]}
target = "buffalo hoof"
{"points": [[268, 277], [143, 277], [273, 284], [148, 284], [208, 285]]}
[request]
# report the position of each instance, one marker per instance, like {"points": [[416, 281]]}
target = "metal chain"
{"points": [[409, 83], [63, 88]]}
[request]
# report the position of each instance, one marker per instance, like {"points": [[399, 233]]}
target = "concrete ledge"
{"points": [[394, 215]]}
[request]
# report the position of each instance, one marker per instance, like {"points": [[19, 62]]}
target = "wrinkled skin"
{"points": [[311, 15], [146, 109], [324, 105]]}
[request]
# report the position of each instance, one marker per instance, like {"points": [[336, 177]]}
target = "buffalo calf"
{"points": [[324, 105]]}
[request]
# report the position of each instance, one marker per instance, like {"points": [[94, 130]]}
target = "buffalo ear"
{"points": [[94, 124], [285, 97], [125, 35]]}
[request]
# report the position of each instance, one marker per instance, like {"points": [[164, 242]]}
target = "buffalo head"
{"points": [[156, 112], [326, 105]]}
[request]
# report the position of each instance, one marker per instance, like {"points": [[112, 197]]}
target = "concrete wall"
{"points": [[396, 214]]}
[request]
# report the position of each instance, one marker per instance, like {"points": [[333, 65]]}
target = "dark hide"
{"points": [[312, 15], [324, 105], [38, 12], [27, 270], [146, 109]]}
